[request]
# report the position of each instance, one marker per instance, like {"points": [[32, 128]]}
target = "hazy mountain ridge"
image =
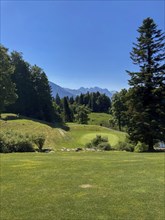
{"points": [[74, 92]]}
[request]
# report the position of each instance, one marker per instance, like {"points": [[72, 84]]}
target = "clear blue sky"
{"points": [[78, 43]]}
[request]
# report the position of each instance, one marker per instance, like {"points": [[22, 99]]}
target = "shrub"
{"points": [[104, 146], [141, 147], [99, 143], [88, 145], [39, 141], [11, 141], [24, 146], [125, 146], [98, 139]]}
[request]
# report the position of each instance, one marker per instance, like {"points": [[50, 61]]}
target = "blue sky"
{"points": [[78, 43]]}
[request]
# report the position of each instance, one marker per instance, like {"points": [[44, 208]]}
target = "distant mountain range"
{"points": [[62, 92]]}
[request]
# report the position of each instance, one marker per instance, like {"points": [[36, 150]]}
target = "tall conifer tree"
{"points": [[147, 93]]}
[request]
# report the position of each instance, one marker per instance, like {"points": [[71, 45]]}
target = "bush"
{"points": [[125, 146], [39, 141], [141, 147], [98, 139], [11, 141], [99, 143], [24, 146], [104, 146], [88, 145]]}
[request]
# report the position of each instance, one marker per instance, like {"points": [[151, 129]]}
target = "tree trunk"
{"points": [[151, 145]]}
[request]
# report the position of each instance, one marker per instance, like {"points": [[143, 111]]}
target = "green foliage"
{"points": [[95, 101], [81, 116], [146, 97], [32, 87], [141, 147], [39, 140], [124, 146], [7, 87], [67, 112], [119, 108], [104, 146], [99, 143], [11, 141]]}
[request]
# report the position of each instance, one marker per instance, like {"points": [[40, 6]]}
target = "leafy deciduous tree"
{"points": [[7, 87]]}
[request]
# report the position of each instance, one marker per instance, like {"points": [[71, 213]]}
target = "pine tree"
{"points": [[67, 113], [57, 99], [146, 99]]}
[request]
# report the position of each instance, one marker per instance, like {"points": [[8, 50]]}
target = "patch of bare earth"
{"points": [[84, 186]]}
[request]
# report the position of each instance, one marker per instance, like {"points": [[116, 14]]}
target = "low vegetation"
{"points": [[11, 141], [100, 143]]}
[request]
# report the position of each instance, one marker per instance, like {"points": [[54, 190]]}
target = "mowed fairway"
{"points": [[82, 185]]}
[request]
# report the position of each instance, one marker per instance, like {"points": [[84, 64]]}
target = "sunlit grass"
{"points": [[56, 137], [83, 185]]}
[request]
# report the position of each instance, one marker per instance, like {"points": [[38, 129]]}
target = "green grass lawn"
{"points": [[56, 137], [83, 185]]}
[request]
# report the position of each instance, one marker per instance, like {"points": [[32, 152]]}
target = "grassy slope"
{"points": [[99, 118], [122, 186], [56, 137]]}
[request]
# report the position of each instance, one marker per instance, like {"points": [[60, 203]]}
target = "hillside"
{"points": [[58, 136], [99, 119]]}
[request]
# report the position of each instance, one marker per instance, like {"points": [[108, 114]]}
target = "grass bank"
{"points": [[71, 135]]}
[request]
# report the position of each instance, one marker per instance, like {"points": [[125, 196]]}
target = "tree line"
{"points": [[25, 90], [77, 109]]}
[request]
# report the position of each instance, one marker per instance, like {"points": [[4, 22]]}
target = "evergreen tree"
{"points": [[103, 103], [57, 99], [146, 100], [67, 113], [81, 101], [7, 87], [71, 100]]}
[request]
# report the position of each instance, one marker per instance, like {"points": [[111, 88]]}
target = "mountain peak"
{"points": [[74, 92]]}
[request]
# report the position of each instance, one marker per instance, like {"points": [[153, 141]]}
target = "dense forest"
{"points": [[140, 110]]}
